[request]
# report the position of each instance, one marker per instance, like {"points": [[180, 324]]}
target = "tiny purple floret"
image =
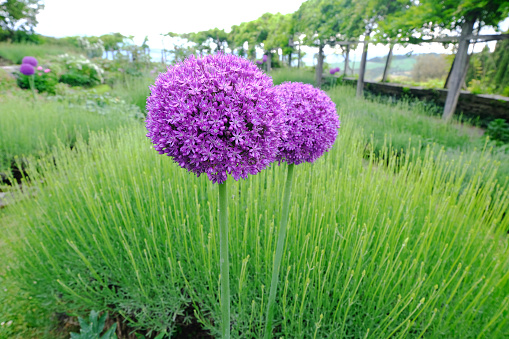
{"points": [[217, 115], [27, 69], [29, 60], [311, 120]]}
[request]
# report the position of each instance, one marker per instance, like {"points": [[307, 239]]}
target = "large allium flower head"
{"points": [[311, 120], [217, 115], [332, 71], [27, 69], [29, 60]]}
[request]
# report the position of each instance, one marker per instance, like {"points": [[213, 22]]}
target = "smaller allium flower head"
{"points": [[47, 70], [27, 69], [29, 60], [217, 115], [259, 62], [332, 71], [311, 120], [264, 59]]}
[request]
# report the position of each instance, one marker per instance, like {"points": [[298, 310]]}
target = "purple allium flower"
{"points": [[259, 62], [29, 60], [217, 115], [337, 69], [27, 69], [264, 59], [332, 71], [312, 122]]}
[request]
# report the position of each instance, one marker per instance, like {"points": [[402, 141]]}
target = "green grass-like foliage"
{"points": [[281, 75], [135, 90], [29, 129], [404, 246], [407, 125], [16, 52]]}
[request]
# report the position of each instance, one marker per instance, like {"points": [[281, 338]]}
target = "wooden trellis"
{"points": [[455, 79]]}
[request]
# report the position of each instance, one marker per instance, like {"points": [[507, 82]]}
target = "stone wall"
{"points": [[485, 106]]}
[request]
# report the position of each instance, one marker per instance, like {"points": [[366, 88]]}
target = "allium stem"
{"points": [[225, 270], [32, 85], [279, 252]]}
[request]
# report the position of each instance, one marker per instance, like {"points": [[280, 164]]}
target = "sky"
{"points": [[152, 18]]}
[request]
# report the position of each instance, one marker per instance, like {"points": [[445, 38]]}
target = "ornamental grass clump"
{"points": [[312, 124], [217, 115]]}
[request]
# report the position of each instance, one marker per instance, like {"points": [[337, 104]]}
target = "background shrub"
{"points": [[430, 66], [44, 82], [79, 71]]}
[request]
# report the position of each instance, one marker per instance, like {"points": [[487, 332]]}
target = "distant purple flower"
{"points": [[217, 115], [47, 70], [264, 59], [312, 122], [259, 62], [334, 70], [29, 60], [27, 69]]}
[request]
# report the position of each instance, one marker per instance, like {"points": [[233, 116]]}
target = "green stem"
{"points": [[279, 252], [225, 270], [32, 85]]}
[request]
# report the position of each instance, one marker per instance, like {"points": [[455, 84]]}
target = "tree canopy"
{"points": [[432, 17], [18, 15]]}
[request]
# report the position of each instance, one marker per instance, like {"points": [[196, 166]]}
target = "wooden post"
{"points": [[319, 66], [360, 81], [458, 69], [346, 59], [387, 64]]}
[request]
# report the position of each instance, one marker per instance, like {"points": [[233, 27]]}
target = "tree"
{"points": [[18, 15], [112, 42], [281, 29], [364, 17], [204, 39], [425, 17], [319, 20]]}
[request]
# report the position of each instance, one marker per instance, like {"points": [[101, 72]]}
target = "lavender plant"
{"points": [[217, 115], [312, 124]]}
